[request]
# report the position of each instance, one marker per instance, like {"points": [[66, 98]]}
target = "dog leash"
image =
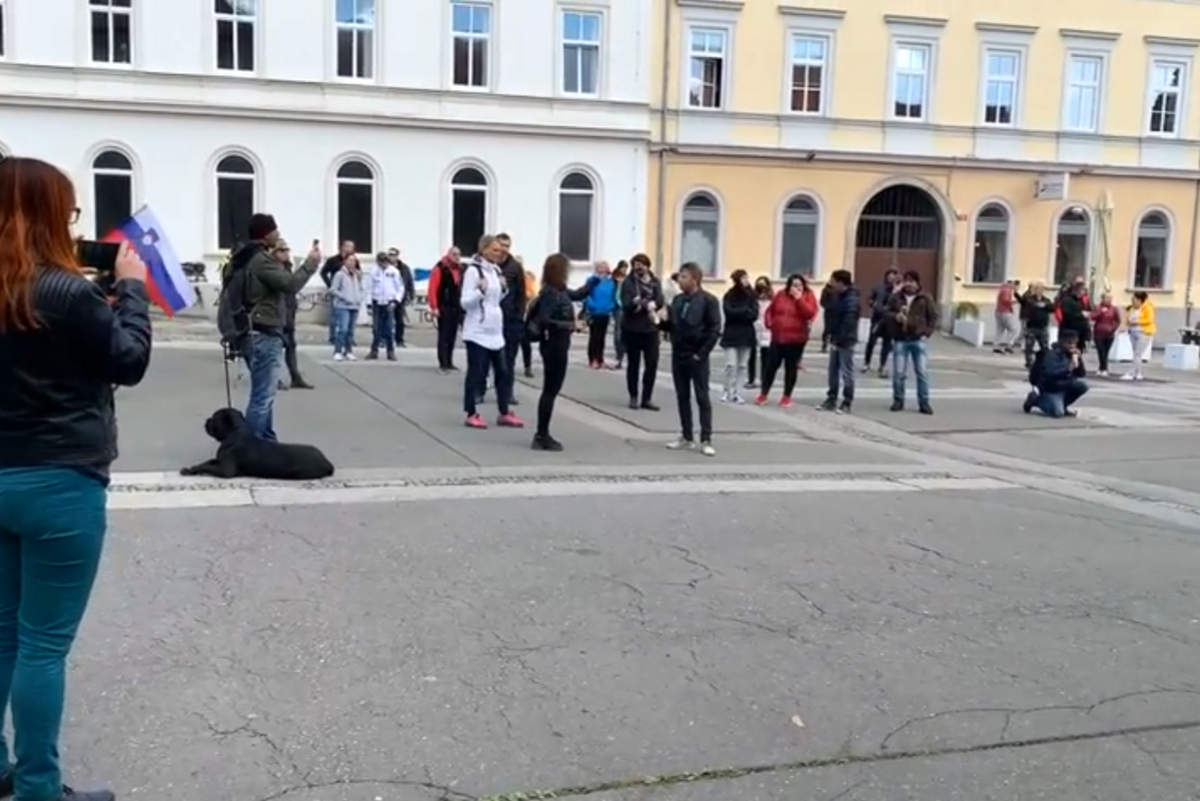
{"points": [[227, 357]]}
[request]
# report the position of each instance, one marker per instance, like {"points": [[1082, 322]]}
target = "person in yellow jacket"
{"points": [[531, 291], [1139, 319]]}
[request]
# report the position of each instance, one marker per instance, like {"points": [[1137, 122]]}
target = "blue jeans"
{"points": [[343, 336], [383, 319], [918, 353], [841, 371], [52, 523], [1055, 404], [265, 352]]}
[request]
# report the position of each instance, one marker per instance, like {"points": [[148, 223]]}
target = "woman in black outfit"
{"points": [[641, 299], [551, 321]]}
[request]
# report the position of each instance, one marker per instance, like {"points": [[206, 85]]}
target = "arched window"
{"points": [[356, 205], [1153, 240], [990, 261], [112, 190], [575, 204], [235, 200], [798, 249], [699, 230], [468, 208], [1072, 246]]}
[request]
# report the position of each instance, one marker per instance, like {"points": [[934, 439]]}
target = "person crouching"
{"points": [[1057, 378]]}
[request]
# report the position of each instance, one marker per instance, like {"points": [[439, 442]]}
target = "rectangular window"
{"points": [[809, 54], [235, 34], [1166, 92], [111, 31], [910, 81], [356, 39], [706, 68], [471, 26], [1084, 76], [1000, 86], [581, 53]]}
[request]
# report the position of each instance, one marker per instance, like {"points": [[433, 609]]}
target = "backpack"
{"points": [[533, 326], [233, 305]]}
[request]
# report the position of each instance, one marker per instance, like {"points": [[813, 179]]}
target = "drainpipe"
{"points": [[1187, 295], [662, 137]]}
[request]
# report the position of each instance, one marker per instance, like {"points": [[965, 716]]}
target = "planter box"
{"points": [[1181, 357], [969, 331]]}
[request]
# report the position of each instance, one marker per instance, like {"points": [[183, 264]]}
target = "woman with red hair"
{"points": [[63, 345]]}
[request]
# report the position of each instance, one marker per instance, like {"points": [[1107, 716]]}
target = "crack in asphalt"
{"points": [[725, 774]]}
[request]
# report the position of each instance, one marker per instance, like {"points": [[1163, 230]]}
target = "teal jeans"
{"points": [[52, 523]]}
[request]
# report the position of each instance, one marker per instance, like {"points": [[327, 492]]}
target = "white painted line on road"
{"points": [[314, 495]]}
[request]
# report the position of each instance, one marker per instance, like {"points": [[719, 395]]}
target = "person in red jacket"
{"points": [[789, 319], [445, 284]]}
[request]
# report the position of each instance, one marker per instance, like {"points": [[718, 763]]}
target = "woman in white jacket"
{"points": [[483, 331]]}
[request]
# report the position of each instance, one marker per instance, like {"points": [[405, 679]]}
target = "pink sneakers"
{"points": [[785, 402], [475, 421], [510, 420]]}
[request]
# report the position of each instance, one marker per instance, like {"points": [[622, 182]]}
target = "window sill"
{"points": [[1149, 290], [705, 109], [112, 65], [473, 90], [791, 112], [1002, 126], [1166, 137], [984, 285], [346, 79], [909, 120]]}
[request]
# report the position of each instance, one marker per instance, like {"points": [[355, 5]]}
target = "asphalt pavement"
{"points": [[981, 604]]}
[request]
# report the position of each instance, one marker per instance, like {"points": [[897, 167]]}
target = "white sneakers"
{"points": [[681, 444], [337, 357], [733, 398], [350, 357]]}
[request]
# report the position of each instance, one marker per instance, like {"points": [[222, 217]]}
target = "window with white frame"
{"points": [[810, 56], [112, 31], [356, 205], [1153, 238], [112, 191], [581, 52], [990, 261], [706, 67], [355, 23], [576, 196], [1166, 93], [798, 244], [471, 26], [235, 200], [699, 230], [1072, 246], [1001, 85], [235, 34], [910, 81], [468, 209], [1085, 75]]}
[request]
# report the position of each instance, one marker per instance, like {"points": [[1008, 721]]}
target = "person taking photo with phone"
{"points": [[63, 346]]}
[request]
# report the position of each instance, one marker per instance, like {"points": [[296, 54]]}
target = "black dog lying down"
{"points": [[243, 454]]}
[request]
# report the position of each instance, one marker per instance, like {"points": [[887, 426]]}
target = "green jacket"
{"points": [[270, 286]]}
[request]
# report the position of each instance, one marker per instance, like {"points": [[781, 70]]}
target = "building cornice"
{"points": [[1170, 41], [719, 5], [791, 9], [1005, 27], [811, 155], [904, 19], [1079, 33]]}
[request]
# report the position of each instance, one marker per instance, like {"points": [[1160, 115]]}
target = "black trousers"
{"points": [[1103, 347], [554, 372], [447, 329], [479, 359], [399, 329], [885, 347], [597, 331], [640, 345], [527, 354], [514, 335], [787, 355], [692, 375], [289, 356]]}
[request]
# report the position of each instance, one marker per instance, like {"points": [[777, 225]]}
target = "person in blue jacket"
{"points": [[600, 303]]}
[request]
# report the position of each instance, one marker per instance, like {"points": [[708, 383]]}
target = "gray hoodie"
{"points": [[347, 290]]}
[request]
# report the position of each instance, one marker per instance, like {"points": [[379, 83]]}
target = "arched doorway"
{"points": [[900, 227]]}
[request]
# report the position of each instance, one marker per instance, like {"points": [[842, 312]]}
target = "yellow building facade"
{"points": [[976, 142]]}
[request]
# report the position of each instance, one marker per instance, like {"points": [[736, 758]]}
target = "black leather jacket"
{"points": [[56, 382]]}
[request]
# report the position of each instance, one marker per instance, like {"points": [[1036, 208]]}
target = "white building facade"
{"points": [[409, 123]]}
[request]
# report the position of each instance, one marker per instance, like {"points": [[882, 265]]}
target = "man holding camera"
{"points": [[268, 286], [1057, 378]]}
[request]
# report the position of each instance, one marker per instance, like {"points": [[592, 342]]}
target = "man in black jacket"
{"points": [[694, 322], [641, 298], [841, 321], [410, 293], [512, 304], [1036, 310], [880, 296], [1057, 377]]}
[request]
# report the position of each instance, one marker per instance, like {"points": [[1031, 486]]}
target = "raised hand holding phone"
{"points": [[129, 264]]}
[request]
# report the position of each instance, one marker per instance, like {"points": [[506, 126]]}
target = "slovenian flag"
{"points": [[168, 287]]}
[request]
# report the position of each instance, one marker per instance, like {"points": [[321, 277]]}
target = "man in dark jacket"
{"points": [[1075, 307], [1057, 377], [694, 322], [283, 254], [410, 292], [912, 317], [268, 286], [841, 326], [641, 298], [445, 288], [880, 296], [1036, 310], [827, 298], [512, 304]]}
